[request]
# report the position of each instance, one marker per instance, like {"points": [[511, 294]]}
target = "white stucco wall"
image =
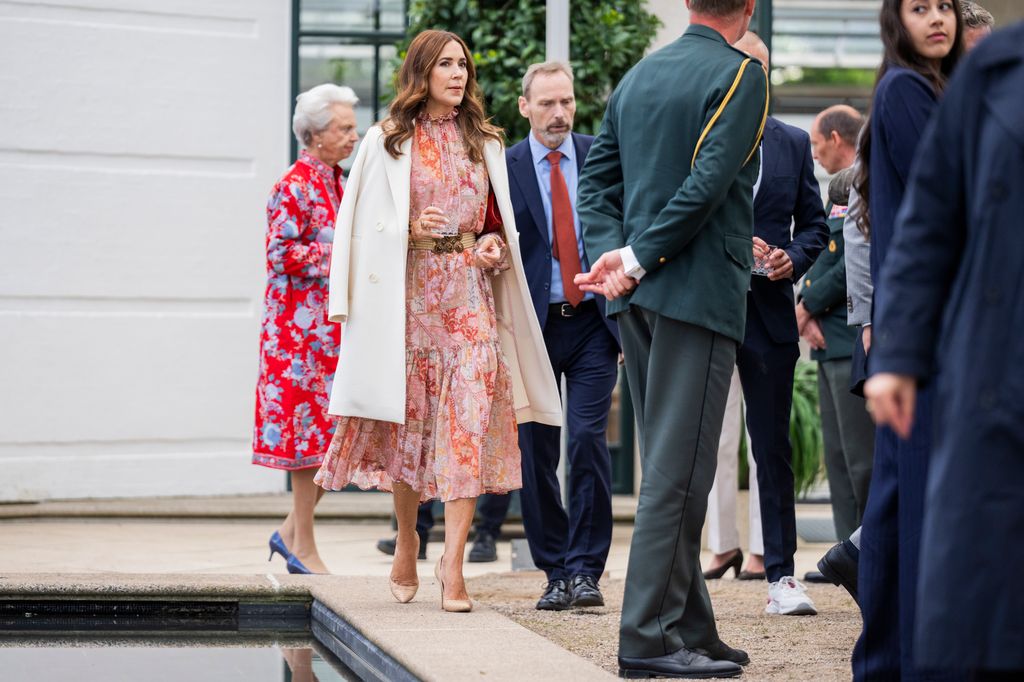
{"points": [[138, 142], [674, 19]]}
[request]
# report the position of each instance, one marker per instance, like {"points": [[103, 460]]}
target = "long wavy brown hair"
{"points": [[414, 91], [898, 50]]}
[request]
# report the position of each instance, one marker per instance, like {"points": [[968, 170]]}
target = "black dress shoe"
{"points": [[735, 563], [585, 592], [752, 575], [683, 664], [839, 566], [556, 597], [723, 652], [815, 577], [387, 546], [483, 549]]}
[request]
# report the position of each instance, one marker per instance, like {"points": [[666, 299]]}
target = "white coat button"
{"points": [[374, 278], [380, 227]]}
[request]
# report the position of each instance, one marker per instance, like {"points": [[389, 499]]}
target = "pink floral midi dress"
{"points": [[459, 439]]}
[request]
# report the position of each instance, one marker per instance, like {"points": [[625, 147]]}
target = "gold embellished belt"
{"points": [[453, 244]]}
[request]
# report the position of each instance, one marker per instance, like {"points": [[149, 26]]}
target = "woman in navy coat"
{"points": [[952, 283], [922, 42]]}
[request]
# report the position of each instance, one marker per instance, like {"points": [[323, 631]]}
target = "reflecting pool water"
{"points": [[168, 660]]}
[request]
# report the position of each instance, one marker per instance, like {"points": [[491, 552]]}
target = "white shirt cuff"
{"points": [[630, 264]]}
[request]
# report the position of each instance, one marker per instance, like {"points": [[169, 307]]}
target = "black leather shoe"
{"points": [[723, 652], [683, 664], [556, 596], [735, 563], [839, 566], [815, 577], [483, 548], [387, 546], [585, 591]]}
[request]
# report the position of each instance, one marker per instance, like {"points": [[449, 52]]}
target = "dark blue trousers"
{"points": [[566, 544], [490, 510], [766, 373], [890, 544]]}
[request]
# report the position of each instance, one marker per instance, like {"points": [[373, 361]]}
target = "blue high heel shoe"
{"points": [[296, 566], [277, 546]]}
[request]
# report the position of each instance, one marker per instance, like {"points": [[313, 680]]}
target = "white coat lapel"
{"points": [[399, 173], [497, 171]]}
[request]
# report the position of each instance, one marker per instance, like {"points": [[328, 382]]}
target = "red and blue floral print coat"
{"points": [[298, 346]]}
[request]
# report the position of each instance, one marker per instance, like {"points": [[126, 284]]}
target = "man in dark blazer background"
{"points": [[571, 548], [666, 200], [847, 431], [789, 217]]}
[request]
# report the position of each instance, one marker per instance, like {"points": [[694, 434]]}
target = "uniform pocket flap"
{"points": [[740, 249]]}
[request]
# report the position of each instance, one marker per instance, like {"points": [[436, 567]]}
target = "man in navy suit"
{"points": [[571, 548], [786, 197]]}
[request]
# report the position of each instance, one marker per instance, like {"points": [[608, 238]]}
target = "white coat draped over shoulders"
{"points": [[367, 293]]}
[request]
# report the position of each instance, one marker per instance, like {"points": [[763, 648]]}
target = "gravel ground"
{"points": [[780, 647]]}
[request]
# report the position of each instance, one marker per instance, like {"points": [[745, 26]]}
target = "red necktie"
{"points": [[564, 248]]}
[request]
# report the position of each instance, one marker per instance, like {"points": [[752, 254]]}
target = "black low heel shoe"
{"points": [[839, 566], [735, 563]]}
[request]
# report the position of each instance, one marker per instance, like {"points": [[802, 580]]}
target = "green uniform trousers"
{"points": [[849, 438], [679, 377]]}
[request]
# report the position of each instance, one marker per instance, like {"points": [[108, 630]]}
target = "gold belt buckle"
{"points": [[450, 244]]}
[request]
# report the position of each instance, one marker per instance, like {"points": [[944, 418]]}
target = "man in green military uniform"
{"points": [[665, 199], [847, 430]]}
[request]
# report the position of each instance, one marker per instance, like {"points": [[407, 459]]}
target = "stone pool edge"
{"points": [[407, 641]]}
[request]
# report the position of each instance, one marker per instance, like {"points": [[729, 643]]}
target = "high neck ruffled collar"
{"points": [[450, 116]]}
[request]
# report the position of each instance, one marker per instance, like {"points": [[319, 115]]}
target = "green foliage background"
{"points": [[506, 36]]}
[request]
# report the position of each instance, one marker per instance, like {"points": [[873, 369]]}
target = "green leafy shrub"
{"points": [[805, 427], [506, 36]]}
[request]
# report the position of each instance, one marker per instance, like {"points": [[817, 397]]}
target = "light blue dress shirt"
{"points": [[571, 174]]}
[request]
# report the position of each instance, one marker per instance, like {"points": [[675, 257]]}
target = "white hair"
{"points": [[313, 109]]}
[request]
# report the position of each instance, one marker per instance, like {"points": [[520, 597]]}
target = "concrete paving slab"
{"points": [[150, 585], [334, 505], [127, 545], [436, 645]]}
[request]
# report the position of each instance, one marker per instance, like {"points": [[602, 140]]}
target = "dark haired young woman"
{"points": [[922, 42], [443, 353]]}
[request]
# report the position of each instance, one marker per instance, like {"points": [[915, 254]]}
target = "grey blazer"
{"points": [[859, 288]]}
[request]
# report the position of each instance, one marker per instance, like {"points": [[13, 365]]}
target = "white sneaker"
{"points": [[788, 597]]}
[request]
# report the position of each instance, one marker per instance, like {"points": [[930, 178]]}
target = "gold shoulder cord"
{"points": [[764, 119], [721, 108]]}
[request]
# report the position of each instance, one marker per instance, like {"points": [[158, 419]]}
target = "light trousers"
{"points": [[723, 535]]}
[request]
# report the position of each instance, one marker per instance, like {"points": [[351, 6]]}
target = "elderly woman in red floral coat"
{"points": [[298, 346]]}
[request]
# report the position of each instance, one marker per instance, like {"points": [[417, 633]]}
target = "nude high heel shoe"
{"points": [[403, 594], [451, 605]]}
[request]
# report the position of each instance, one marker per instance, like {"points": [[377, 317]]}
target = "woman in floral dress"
{"points": [[298, 346], [444, 424]]}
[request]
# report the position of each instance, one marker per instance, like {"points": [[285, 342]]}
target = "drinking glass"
{"points": [[761, 266]]}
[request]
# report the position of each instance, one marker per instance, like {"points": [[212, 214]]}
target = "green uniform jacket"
{"points": [[823, 292], [671, 174]]}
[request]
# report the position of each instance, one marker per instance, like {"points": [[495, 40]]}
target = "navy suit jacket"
{"points": [[534, 241], [788, 195]]}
